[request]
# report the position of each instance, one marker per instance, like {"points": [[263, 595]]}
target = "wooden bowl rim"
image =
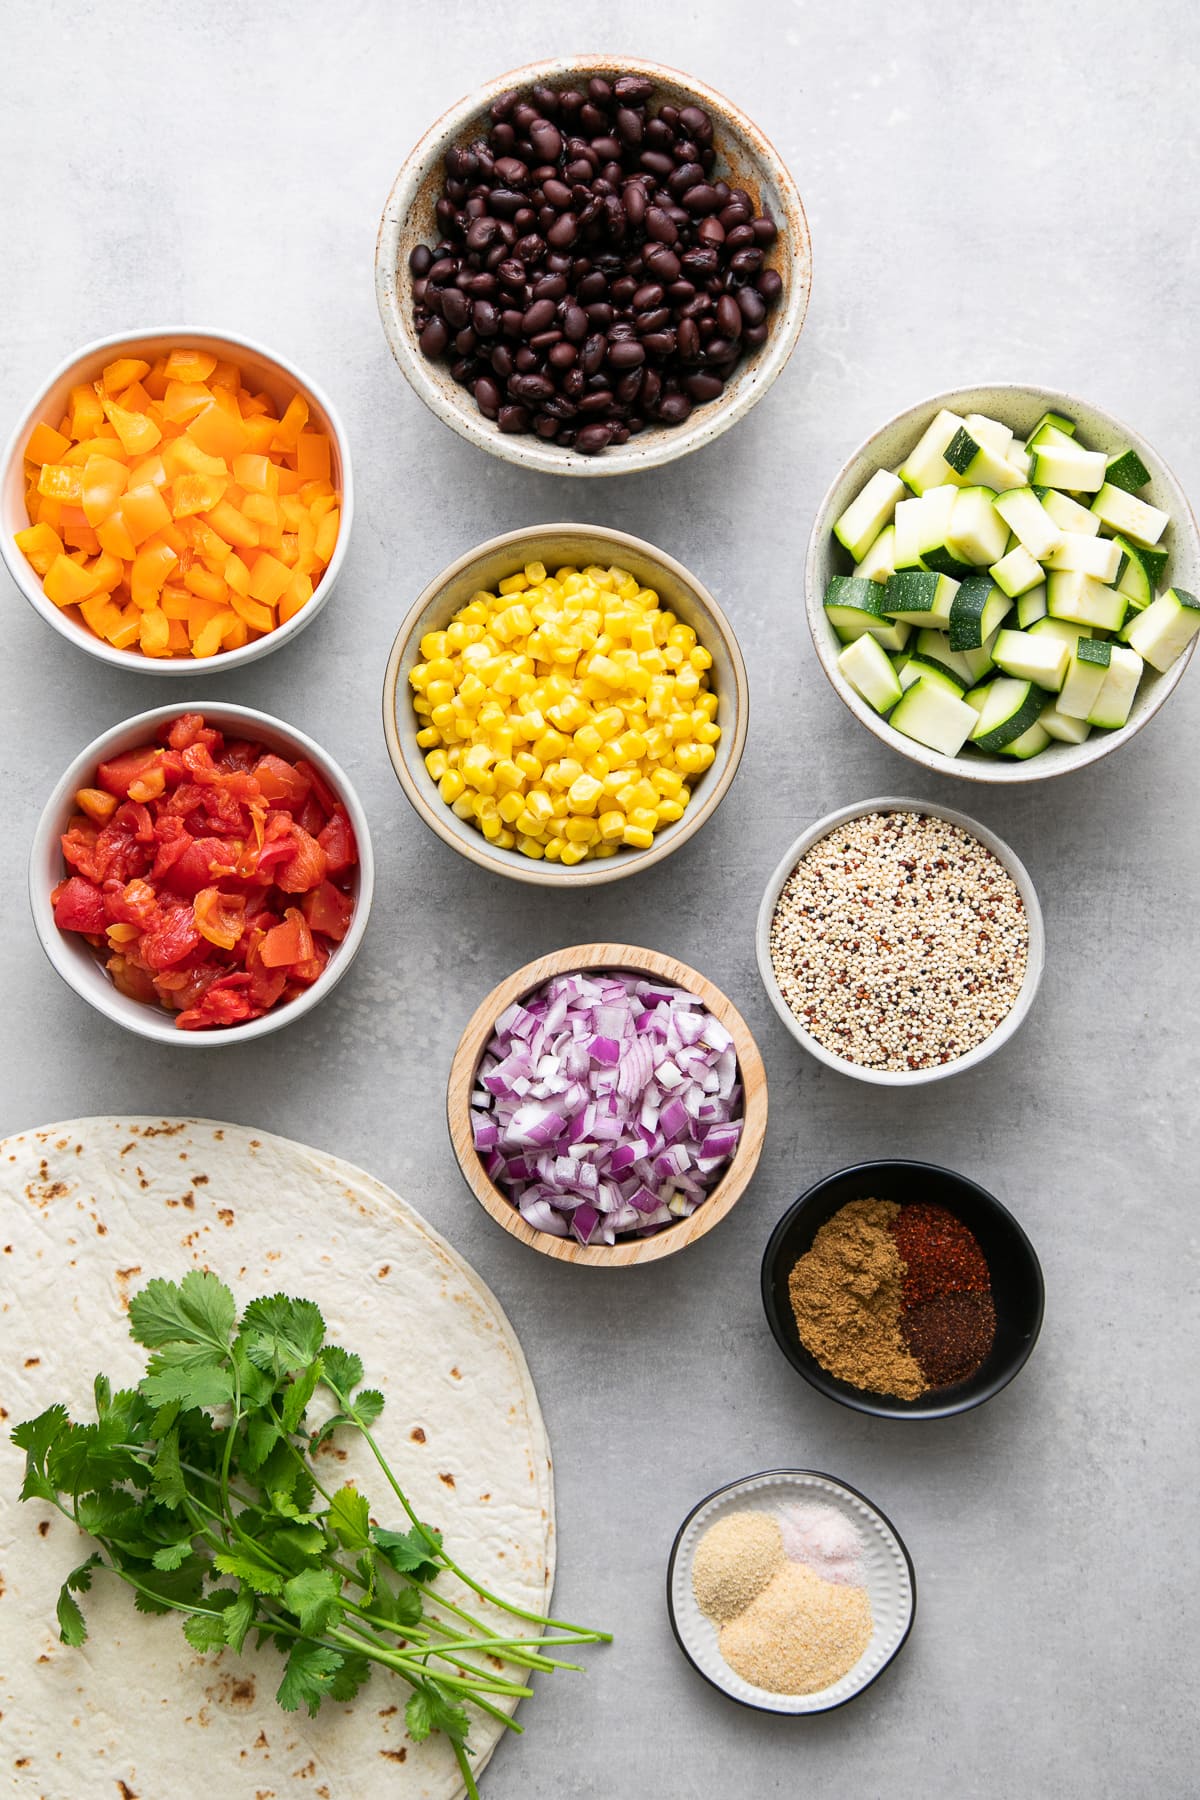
{"points": [[732, 1184]]}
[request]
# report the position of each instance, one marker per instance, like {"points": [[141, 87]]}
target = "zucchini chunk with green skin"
{"points": [[1143, 570], [1065, 630], [1069, 466], [879, 562], [1017, 573], [1059, 422], [1025, 515], [854, 606], [1031, 606], [1163, 632], [865, 665], [979, 659], [1111, 707], [1040, 659], [977, 610], [1127, 516], [865, 518], [1098, 556], [920, 597], [1010, 707], [1030, 743], [1127, 470], [933, 716], [1047, 437], [1084, 600], [921, 528], [1020, 459], [977, 535], [1068, 514], [1066, 730], [989, 432], [1087, 671], [923, 668], [978, 466], [926, 466], [934, 647]]}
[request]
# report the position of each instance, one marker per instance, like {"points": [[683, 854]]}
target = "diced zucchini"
{"points": [[1031, 606], [1128, 516], [1068, 514], [879, 563], [1040, 659], [1065, 630], [1166, 628], [977, 535], [977, 696], [920, 597], [979, 660], [865, 517], [989, 432], [934, 647], [1127, 470], [916, 668], [1016, 573], [1025, 515], [1083, 599], [1030, 743], [1144, 569], [977, 610], [977, 465], [1020, 459], [854, 605], [1098, 556], [1010, 707], [1087, 671], [926, 466], [933, 716], [921, 528], [1066, 730], [1052, 421], [865, 665], [1111, 708], [1069, 466]]}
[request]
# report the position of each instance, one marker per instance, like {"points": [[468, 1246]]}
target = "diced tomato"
{"points": [[131, 981], [124, 846], [324, 793], [266, 985], [136, 903], [306, 866], [200, 862], [226, 1002], [289, 943], [219, 917], [174, 937], [308, 970], [79, 906], [337, 841], [189, 729], [79, 847], [239, 754], [280, 783], [115, 776], [328, 911]]}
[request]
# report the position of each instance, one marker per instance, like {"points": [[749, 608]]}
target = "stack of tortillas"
{"points": [[89, 1211]]}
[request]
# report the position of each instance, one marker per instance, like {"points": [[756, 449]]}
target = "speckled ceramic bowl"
{"points": [[745, 158], [1020, 407]]}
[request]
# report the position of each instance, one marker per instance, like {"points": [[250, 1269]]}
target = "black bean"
{"points": [[511, 272], [627, 387], [649, 295], [747, 262], [634, 201], [510, 321], [501, 138], [630, 125], [575, 323], [504, 202], [701, 200], [581, 170], [657, 162], [751, 306], [482, 286], [680, 292], [570, 100], [626, 354], [765, 230], [592, 286], [688, 337], [526, 361], [662, 263], [546, 140], [503, 104], [720, 350], [755, 335], [652, 321], [550, 287], [687, 175], [633, 90], [563, 231], [729, 317], [545, 426], [563, 355], [673, 409], [530, 248], [531, 387], [544, 341], [540, 315], [606, 147], [545, 99], [487, 396], [513, 419], [702, 386], [512, 171], [593, 353], [659, 343], [464, 341], [651, 388], [434, 338], [443, 270], [711, 232], [696, 123], [660, 226], [420, 259], [485, 318], [558, 195], [573, 384], [502, 362], [770, 285], [456, 308]]}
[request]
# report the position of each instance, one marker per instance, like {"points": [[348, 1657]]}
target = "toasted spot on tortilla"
{"points": [[417, 1435], [198, 1180], [305, 1772], [31, 1362], [43, 1527], [383, 1271], [125, 1790], [225, 1214], [457, 1374], [400, 1755], [233, 1690], [446, 1480], [260, 1742], [386, 1712], [188, 1200]]}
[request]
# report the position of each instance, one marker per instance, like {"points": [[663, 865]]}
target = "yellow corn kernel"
{"points": [[539, 804], [450, 786], [707, 734], [491, 826], [529, 765], [531, 847], [597, 767], [439, 693], [550, 746], [667, 782], [581, 831], [535, 573], [587, 741], [563, 774], [611, 824], [584, 792], [687, 683], [669, 811], [510, 807], [433, 644], [435, 762], [513, 584], [464, 806], [700, 658], [637, 837], [573, 853], [504, 840], [508, 775], [645, 818]]}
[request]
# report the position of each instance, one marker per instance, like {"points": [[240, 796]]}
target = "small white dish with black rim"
{"points": [[887, 1571]]}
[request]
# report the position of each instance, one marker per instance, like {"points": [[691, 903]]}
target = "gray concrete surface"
{"points": [[999, 198]]}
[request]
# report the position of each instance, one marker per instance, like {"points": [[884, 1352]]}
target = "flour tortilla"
{"points": [[89, 1211]]}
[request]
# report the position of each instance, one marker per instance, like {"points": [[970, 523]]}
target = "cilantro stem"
{"points": [[460, 1751]]}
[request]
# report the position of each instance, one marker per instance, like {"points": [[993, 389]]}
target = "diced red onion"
{"points": [[607, 1105]]}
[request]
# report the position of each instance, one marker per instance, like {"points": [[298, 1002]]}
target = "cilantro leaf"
{"points": [[429, 1710], [366, 1407], [349, 1518], [282, 1334], [312, 1596], [166, 1589], [343, 1370], [238, 1619], [198, 1310], [72, 1626], [167, 1481], [102, 1393], [409, 1552], [298, 1394], [355, 1670], [205, 1631], [262, 1434], [35, 1436], [87, 1457], [247, 1567], [172, 1556], [116, 1516], [402, 1607], [194, 1374], [308, 1676]]}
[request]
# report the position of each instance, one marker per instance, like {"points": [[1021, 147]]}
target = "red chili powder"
{"points": [[942, 1256]]}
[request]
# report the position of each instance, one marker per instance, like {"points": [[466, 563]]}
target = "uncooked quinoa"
{"points": [[899, 941]]}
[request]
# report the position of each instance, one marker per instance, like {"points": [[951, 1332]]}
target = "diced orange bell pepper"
{"points": [[78, 535], [237, 575], [61, 481], [151, 566], [97, 805], [129, 630], [183, 456], [226, 375], [155, 633], [138, 434], [292, 423], [207, 641], [114, 535], [120, 373], [192, 494], [46, 445], [260, 436], [269, 578], [151, 471], [190, 365], [208, 545], [87, 414], [108, 570], [235, 635], [255, 472], [200, 613], [103, 483], [184, 400], [202, 581], [327, 533], [260, 617], [40, 544], [298, 595], [175, 601], [66, 584], [313, 456], [145, 512], [134, 398], [100, 614], [178, 640], [156, 381], [232, 525], [218, 432]]}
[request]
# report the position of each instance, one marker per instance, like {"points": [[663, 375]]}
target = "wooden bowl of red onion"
{"points": [[607, 1105]]}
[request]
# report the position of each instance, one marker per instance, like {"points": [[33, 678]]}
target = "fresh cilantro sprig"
{"points": [[201, 1491]]}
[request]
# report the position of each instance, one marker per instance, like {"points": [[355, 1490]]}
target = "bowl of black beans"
{"points": [[590, 267]]}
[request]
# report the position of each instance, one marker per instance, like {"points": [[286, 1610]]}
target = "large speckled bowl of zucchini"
{"points": [[1002, 583]]}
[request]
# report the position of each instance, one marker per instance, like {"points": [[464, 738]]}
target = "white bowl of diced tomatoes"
{"points": [[202, 878], [174, 498]]}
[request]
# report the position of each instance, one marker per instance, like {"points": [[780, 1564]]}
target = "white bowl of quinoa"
{"points": [[900, 942]]}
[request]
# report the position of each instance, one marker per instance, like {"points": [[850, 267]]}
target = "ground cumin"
{"points": [[847, 1296]]}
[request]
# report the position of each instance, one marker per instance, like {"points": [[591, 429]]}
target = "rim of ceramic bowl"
{"points": [[141, 1017], [1058, 759], [748, 1482], [710, 421], [1035, 962], [28, 582], [423, 797], [863, 1400], [628, 1251]]}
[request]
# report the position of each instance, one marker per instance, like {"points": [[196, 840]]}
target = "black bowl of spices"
{"points": [[902, 1289]]}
